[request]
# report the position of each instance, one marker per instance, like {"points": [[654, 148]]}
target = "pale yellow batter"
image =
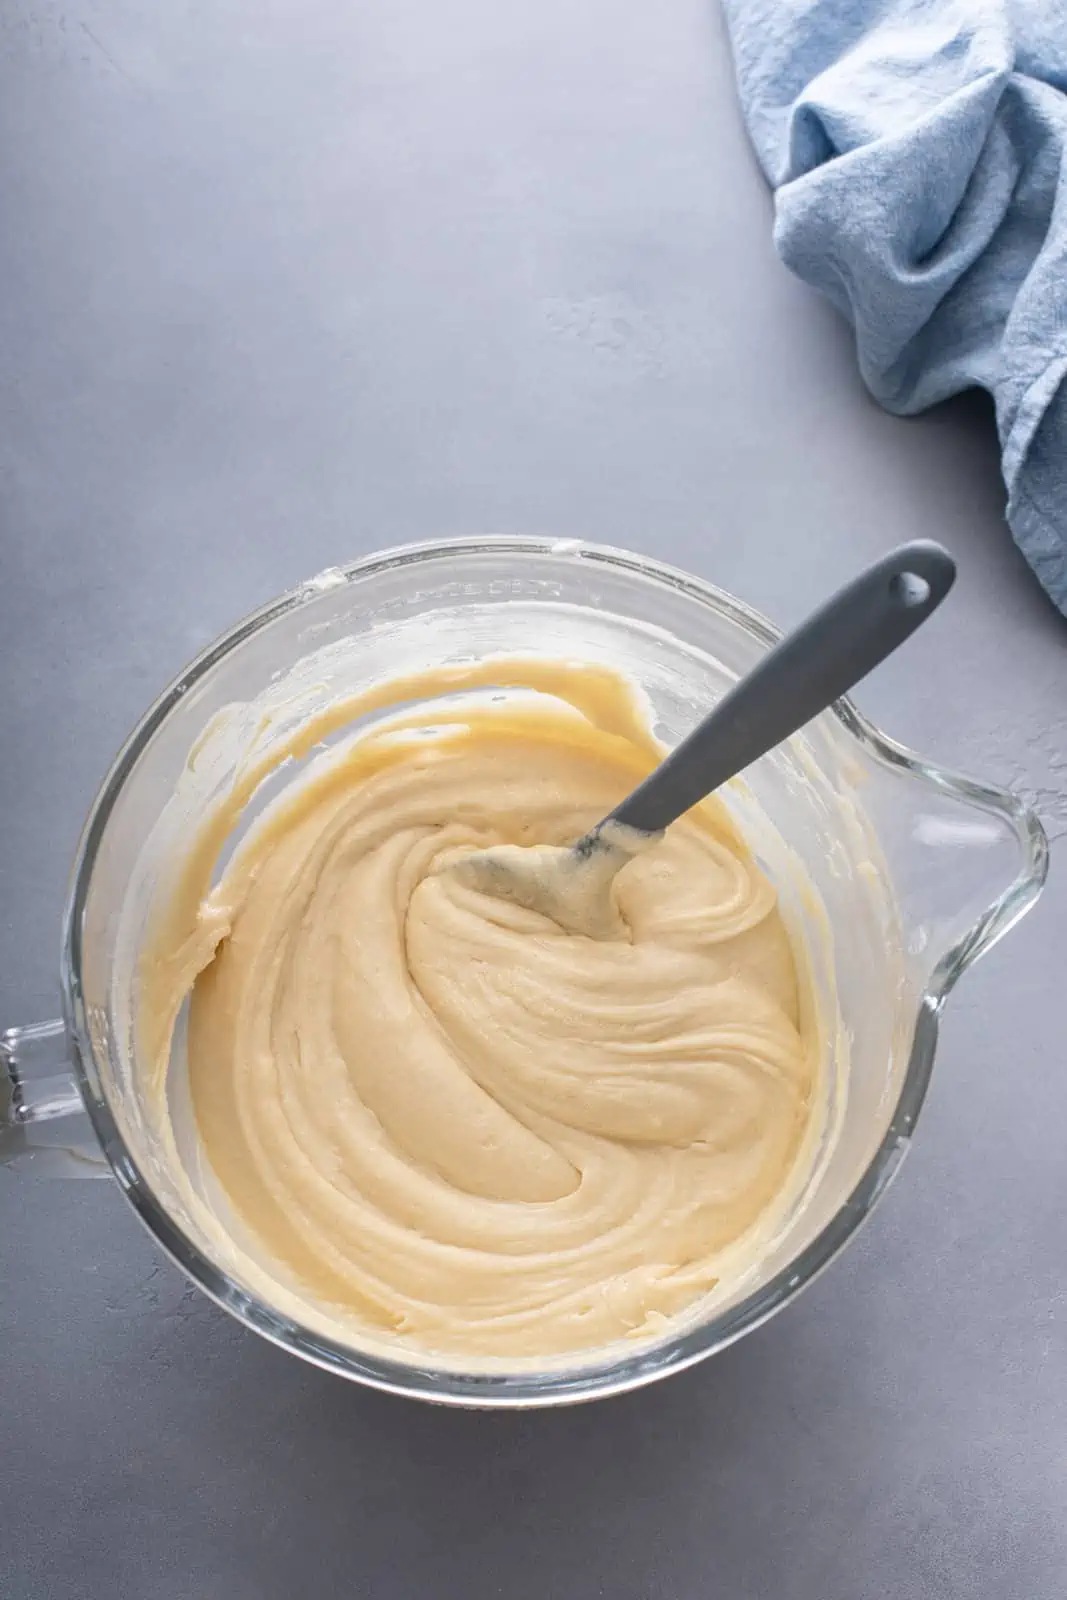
{"points": [[442, 1114]]}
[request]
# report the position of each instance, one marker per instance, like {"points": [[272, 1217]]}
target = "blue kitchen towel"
{"points": [[918, 150]]}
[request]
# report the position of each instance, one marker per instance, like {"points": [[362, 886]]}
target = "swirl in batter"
{"points": [[446, 1118]]}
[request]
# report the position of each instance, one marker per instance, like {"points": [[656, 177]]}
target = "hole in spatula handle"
{"points": [[907, 589]]}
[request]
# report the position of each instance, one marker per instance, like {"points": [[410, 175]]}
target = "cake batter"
{"points": [[444, 1116]]}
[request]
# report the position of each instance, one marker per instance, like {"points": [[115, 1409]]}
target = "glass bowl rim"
{"points": [[588, 1378]]}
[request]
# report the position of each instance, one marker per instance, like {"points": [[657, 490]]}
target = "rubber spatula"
{"points": [[806, 672]]}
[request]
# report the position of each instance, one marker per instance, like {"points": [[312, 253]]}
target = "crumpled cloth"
{"points": [[918, 152]]}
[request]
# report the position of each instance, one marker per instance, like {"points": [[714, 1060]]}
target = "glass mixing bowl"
{"points": [[895, 874]]}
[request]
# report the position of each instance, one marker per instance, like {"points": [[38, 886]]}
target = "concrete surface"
{"points": [[285, 281]]}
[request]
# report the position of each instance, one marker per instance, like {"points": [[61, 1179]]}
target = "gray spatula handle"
{"points": [[801, 676]]}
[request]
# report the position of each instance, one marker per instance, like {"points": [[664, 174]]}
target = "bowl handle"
{"points": [[43, 1122]]}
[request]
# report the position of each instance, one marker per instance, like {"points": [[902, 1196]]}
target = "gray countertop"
{"points": [[286, 282]]}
